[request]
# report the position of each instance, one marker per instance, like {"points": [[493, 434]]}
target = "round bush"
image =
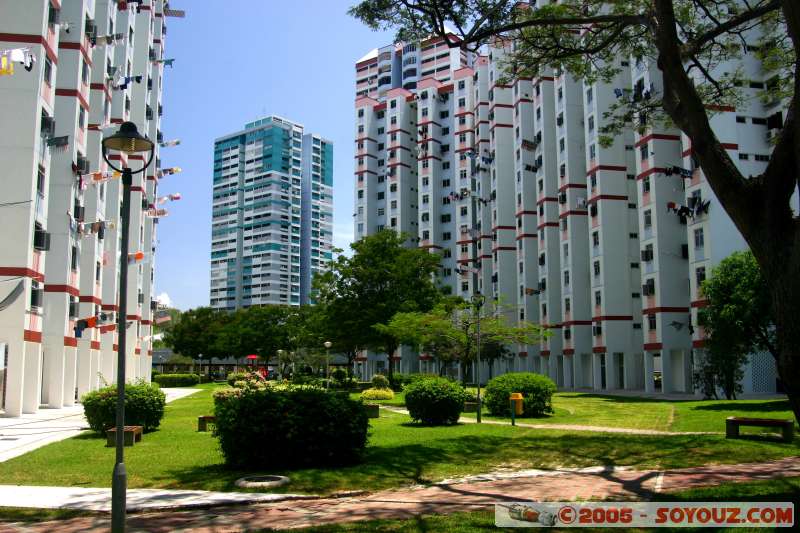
{"points": [[379, 381], [377, 394], [177, 380], [537, 392], [435, 400], [144, 406], [288, 426]]}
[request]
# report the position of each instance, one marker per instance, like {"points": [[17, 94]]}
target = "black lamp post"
{"points": [[478, 300], [129, 141]]}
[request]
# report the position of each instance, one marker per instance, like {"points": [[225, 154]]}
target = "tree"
{"points": [[737, 320], [197, 332], [260, 330], [689, 41], [382, 278], [449, 332]]}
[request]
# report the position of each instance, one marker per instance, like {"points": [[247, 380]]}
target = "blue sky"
{"points": [[236, 61]]}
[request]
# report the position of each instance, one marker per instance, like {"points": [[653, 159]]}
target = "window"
{"points": [[646, 185], [597, 268], [360, 113], [566, 278], [446, 236], [648, 219], [589, 95], [596, 238], [567, 305], [598, 298], [700, 276], [699, 239], [590, 123], [592, 151], [651, 322], [644, 152], [381, 195]]}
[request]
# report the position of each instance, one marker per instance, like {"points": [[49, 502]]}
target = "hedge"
{"points": [[435, 400], [377, 394], [144, 406], [537, 392], [379, 381], [177, 380], [289, 427]]}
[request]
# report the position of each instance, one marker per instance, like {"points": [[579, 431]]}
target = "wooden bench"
{"points": [[130, 435], [204, 420], [732, 424]]}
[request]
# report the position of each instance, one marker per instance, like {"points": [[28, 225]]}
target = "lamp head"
{"points": [[128, 140], [328, 344], [478, 299]]}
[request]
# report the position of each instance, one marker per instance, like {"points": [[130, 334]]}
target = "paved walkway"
{"points": [[28, 432], [568, 427], [442, 498]]}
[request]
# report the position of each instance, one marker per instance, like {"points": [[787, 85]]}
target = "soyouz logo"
{"points": [[644, 514]]}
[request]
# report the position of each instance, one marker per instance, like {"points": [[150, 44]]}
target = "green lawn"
{"points": [[399, 453]]}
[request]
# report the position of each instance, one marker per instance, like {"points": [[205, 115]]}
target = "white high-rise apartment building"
{"points": [[60, 203], [510, 184], [272, 227]]}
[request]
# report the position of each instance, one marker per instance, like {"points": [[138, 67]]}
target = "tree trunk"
{"points": [[785, 291]]}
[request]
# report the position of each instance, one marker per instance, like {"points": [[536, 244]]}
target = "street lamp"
{"points": [[327, 345], [280, 365], [478, 300], [129, 141]]}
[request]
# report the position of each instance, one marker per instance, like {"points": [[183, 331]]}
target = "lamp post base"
{"points": [[119, 484]]}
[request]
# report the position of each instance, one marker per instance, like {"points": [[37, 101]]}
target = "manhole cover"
{"points": [[261, 482]]}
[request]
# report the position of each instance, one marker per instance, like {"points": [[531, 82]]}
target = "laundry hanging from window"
{"points": [[23, 56]]}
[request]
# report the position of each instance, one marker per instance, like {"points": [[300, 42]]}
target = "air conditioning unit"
{"points": [[91, 28], [597, 330], [37, 298], [41, 240], [581, 202]]}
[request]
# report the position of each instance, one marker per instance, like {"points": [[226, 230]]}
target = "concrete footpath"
{"points": [[28, 432], [467, 494]]}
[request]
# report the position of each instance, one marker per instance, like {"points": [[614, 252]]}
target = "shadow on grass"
{"points": [[765, 406], [614, 399], [432, 459]]}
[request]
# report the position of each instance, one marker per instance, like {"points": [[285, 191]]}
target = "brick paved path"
{"points": [[435, 499]]}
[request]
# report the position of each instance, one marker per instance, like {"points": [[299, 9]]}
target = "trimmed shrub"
{"points": [[271, 428], [339, 375], [144, 406], [537, 392], [177, 380], [377, 394], [379, 381], [233, 377], [435, 401]]}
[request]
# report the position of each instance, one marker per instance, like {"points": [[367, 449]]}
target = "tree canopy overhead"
{"points": [[695, 47]]}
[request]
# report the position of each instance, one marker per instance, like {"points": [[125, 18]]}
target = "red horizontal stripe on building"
{"points": [[62, 288], [107, 328], [32, 336], [656, 137], [465, 241], [654, 310], [137, 188], [21, 272], [504, 227], [573, 213], [109, 307], [650, 346], [425, 358], [611, 168], [699, 343], [569, 351], [522, 213], [74, 93], [547, 224], [365, 155], [523, 354], [598, 349], [398, 165], [462, 113], [506, 106], [71, 341], [544, 199], [427, 246], [357, 172], [504, 248], [525, 236], [700, 303], [546, 78], [366, 139], [571, 186], [379, 107], [523, 101], [94, 345], [401, 130], [649, 171], [715, 107], [544, 353], [426, 122], [31, 39], [611, 317], [493, 126], [578, 323], [551, 326], [146, 322], [76, 46], [429, 157], [599, 197], [428, 139], [134, 317]]}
